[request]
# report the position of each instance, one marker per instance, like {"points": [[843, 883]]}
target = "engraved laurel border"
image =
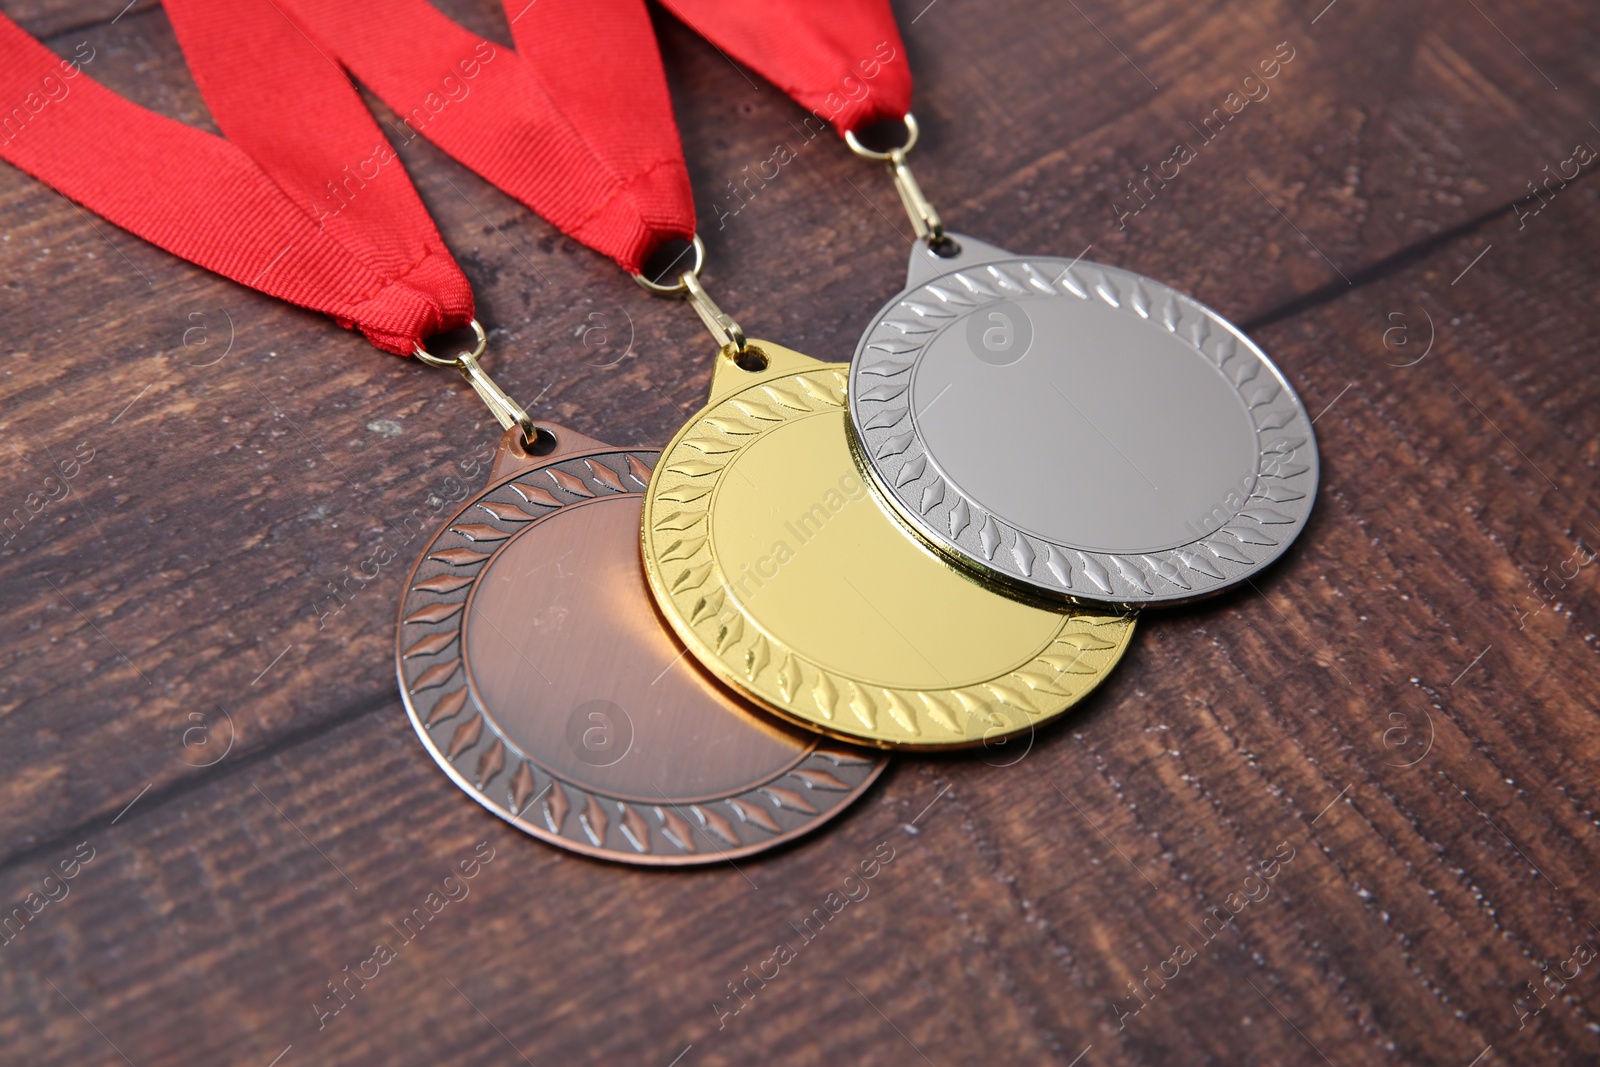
{"points": [[702, 607], [887, 438], [464, 741]]}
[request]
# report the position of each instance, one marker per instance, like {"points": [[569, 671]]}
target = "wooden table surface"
{"points": [[1399, 720]]}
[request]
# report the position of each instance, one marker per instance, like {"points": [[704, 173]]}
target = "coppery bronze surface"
{"points": [[539, 676]]}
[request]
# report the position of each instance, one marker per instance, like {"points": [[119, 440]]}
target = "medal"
{"points": [[1028, 669], [790, 581], [1064, 428], [621, 748], [1073, 429], [865, 635], [538, 678], [766, 550], [1078, 430], [534, 666]]}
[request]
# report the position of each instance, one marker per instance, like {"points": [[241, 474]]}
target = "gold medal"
{"points": [[782, 571]]}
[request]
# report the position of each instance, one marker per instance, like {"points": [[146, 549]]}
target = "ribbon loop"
{"points": [[304, 203], [584, 136], [843, 62]]}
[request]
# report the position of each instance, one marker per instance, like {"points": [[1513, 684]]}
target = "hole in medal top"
{"points": [[668, 262], [751, 359], [945, 247], [544, 441]]}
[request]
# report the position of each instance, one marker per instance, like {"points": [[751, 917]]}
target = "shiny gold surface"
{"points": [[791, 581]]}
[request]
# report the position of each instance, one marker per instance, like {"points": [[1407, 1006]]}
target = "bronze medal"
{"points": [[539, 677]]}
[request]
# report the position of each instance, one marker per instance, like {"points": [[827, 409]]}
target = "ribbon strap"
{"points": [[304, 201], [576, 123], [843, 61]]}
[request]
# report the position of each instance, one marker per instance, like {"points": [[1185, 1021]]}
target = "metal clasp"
{"points": [[722, 325], [507, 412], [924, 218], [719, 322]]}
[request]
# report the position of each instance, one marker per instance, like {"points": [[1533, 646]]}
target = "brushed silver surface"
{"points": [[1078, 430]]}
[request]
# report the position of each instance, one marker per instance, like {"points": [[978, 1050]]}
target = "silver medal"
{"points": [[1078, 430]]}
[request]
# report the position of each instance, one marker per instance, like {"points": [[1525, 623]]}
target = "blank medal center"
{"points": [[1110, 435], [819, 565], [564, 618]]}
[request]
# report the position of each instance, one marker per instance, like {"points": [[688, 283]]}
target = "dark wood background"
{"points": [[1408, 702]]}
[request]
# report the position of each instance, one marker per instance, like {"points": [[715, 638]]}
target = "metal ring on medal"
{"points": [[1078, 430], [540, 679], [792, 582]]}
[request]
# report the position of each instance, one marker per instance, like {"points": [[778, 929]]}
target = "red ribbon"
{"points": [[304, 201], [576, 123], [842, 61]]}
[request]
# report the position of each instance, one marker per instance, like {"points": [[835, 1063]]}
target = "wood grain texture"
{"points": [[1402, 702]]}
